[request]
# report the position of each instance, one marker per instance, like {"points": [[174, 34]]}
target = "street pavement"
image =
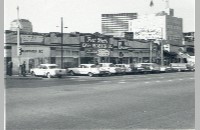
{"points": [[153, 101]]}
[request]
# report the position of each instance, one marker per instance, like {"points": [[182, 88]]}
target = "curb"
{"points": [[20, 77]]}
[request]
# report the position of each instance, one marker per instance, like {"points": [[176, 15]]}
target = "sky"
{"points": [[85, 15]]}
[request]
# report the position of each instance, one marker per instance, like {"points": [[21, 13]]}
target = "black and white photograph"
{"points": [[99, 64]]}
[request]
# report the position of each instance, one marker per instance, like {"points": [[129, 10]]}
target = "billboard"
{"points": [[32, 39], [24, 38], [147, 33]]}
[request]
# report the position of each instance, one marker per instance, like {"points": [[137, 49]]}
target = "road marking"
{"points": [[146, 82], [170, 80], [157, 81], [162, 77], [121, 82], [180, 79], [82, 80], [105, 81], [191, 78]]}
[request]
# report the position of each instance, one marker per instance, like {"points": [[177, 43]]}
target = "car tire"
{"points": [[90, 74], [110, 74], [33, 73], [48, 75], [71, 73], [60, 76]]}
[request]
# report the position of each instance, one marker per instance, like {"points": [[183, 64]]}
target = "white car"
{"points": [[48, 70], [87, 69], [179, 66], [111, 68], [125, 67]]}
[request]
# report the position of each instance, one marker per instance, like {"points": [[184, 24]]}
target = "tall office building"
{"points": [[116, 24]]}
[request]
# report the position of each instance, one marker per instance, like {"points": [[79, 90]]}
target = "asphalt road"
{"points": [[153, 101]]}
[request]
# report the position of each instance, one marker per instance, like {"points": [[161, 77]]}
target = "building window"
{"points": [[75, 53]]}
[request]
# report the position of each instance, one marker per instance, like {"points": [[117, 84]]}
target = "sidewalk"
{"points": [[21, 77]]}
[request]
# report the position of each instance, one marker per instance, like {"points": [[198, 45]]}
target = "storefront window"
{"points": [[75, 53]]}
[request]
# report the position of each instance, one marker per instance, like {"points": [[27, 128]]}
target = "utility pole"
{"points": [[61, 45], [151, 54], [79, 53], [18, 40], [161, 47], [161, 52]]}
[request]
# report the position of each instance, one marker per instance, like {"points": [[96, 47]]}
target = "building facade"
{"points": [[38, 48], [116, 24]]}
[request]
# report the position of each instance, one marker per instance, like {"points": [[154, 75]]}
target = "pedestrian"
{"points": [[96, 63], [23, 69], [9, 68]]}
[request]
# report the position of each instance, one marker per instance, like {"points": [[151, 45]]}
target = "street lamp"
{"points": [[61, 45]]}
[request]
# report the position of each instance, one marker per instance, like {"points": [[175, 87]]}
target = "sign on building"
{"points": [[103, 52], [92, 41], [121, 45], [147, 33], [166, 47], [96, 39], [31, 39]]}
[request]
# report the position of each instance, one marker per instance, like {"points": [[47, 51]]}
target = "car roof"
{"points": [[121, 64], [105, 63], [87, 64], [145, 63], [49, 64]]}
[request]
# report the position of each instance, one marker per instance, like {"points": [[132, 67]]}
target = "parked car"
{"points": [[137, 68], [87, 69], [164, 69], [48, 70], [111, 68], [179, 66], [126, 68], [147, 67], [191, 67]]}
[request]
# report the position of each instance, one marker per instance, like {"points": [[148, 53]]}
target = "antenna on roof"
{"points": [[18, 12], [166, 4]]}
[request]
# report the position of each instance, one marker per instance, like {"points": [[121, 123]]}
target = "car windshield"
{"points": [[112, 65], [145, 65], [53, 67], [95, 66]]}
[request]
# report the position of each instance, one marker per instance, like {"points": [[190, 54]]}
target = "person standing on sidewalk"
{"points": [[23, 69], [10, 66]]}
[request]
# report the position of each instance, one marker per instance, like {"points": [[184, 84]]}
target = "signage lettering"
{"points": [[86, 45], [31, 38], [33, 51], [90, 39], [102, 40], [96, 45], [95, 39], [103, 52], [151, 33]]}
